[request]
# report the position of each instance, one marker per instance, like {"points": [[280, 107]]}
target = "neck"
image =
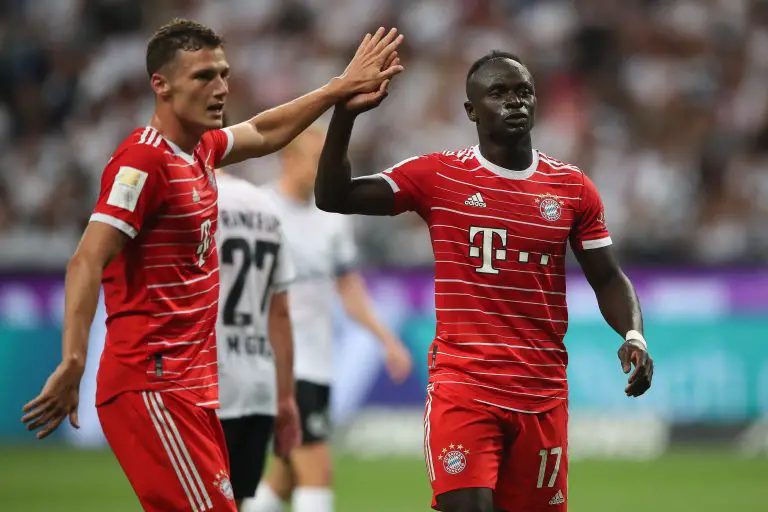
{"points": [[174, 130], [515, 154], [293, 190]]}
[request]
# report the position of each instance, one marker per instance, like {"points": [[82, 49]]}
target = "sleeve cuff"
{"points": [[390, 181], [230, 142], [115, 223], [596, 244]]}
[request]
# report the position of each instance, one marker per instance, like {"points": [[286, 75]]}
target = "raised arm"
{"points": [[272, 130], [335, 190]]}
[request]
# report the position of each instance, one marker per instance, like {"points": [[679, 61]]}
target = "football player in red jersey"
{"points": [[150, 243], [500, 216]]}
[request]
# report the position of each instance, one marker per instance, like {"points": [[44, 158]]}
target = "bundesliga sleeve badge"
{"points": [[550, 207], [127, 188], [454, 458]]}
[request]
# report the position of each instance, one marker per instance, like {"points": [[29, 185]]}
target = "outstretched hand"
{"points": [[57, 401], [640, 381], [374, 63]]}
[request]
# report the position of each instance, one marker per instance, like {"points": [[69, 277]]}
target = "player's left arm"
{"points": [[359, 306], [615, 294], [275, 128]]}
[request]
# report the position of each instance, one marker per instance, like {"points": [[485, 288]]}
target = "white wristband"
{"points": [[638, 338]]}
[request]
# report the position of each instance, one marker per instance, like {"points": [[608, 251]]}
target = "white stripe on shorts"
{"points": [[183, 447], [165, 437], [427, 432]]}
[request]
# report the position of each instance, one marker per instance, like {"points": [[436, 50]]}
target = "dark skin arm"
{"points": [[621, 309], [335, 189]]}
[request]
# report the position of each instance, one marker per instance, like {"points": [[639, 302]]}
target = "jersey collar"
{"points": [[190, 159], [504, 172]]}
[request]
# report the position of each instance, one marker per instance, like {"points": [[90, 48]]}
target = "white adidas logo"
{"points": [[557, 499], [475, 200], [195, 195]]}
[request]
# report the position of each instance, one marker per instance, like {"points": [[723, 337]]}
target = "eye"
{"points": [[526, 92]]}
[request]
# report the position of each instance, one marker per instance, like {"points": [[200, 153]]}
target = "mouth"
{"points": [[516, 117], [217, 110]]}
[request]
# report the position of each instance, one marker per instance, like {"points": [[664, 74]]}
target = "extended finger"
{"points": [[374, 41], [37, 401], [385, 41], [390, 72], [363, 44], [73, 419], [50, 427], [390, 60], [45, 418], [37, 412], [391, 47]]}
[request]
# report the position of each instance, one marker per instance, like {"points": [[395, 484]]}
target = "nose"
{"points": [[222, 88], [512, 101]]}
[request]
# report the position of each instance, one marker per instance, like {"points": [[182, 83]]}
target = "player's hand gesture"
{"points": [[633, 354], [287, 427], [372, 64], [398, 361], [58, 399]]}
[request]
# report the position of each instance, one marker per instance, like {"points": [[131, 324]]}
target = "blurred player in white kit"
{"points": [[324, 255], [255, 343]]}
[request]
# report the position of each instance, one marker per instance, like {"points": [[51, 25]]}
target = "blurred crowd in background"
{"points": [[664, 104]]}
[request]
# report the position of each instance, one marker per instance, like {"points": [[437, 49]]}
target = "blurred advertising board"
{"points": [[708, 333]]}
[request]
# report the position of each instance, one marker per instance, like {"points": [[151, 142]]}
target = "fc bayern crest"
{"points": [[223, 484], [211, 176], [454, 459], [550, 207]]}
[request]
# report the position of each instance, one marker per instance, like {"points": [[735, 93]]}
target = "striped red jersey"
{"points": [[162, 290], [499, 238]]}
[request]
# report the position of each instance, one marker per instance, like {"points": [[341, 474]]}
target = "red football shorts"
{"points": [[523, 457], [172, 452]]}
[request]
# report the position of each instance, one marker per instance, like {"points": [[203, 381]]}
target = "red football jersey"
{"points": [[499, 237], [161, 292]]}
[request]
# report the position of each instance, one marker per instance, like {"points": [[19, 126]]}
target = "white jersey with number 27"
{"points": [[254, 264]]}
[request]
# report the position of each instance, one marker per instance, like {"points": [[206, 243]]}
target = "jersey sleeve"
{"points": [[590, 230], [410, 182], [285, 273], [219, 143], [132, 189], [346, 253]]}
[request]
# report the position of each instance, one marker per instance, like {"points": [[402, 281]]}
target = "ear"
{"points": [[470, 109], [160, 84]]}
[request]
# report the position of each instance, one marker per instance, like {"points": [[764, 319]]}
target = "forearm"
{"points": [[280, 125], [334, 172], [281, 339], [82, 286], [619, 304], [358, 305]]}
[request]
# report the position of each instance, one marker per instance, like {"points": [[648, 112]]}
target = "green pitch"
{"points": [[37, 479]]}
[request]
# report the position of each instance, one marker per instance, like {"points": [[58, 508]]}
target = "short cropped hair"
{"points": [[488, 57], [179, 34]]}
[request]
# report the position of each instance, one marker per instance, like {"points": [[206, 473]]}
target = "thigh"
{"points": [[247, 440], [534, 473], [462, 441], [170, 450], [313, 401]]}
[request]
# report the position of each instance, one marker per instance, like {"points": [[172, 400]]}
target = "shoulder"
{"points": [[461, 159], [551, 165], [143, 149]]}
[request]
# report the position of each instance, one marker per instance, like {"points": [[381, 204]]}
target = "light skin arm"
{"points": [[100, 244], [621, 309], [358, 305], [281, 340], [272, 130], [287, 426]]}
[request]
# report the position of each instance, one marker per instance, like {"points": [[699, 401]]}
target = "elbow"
{"points": [[327, 205]]}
